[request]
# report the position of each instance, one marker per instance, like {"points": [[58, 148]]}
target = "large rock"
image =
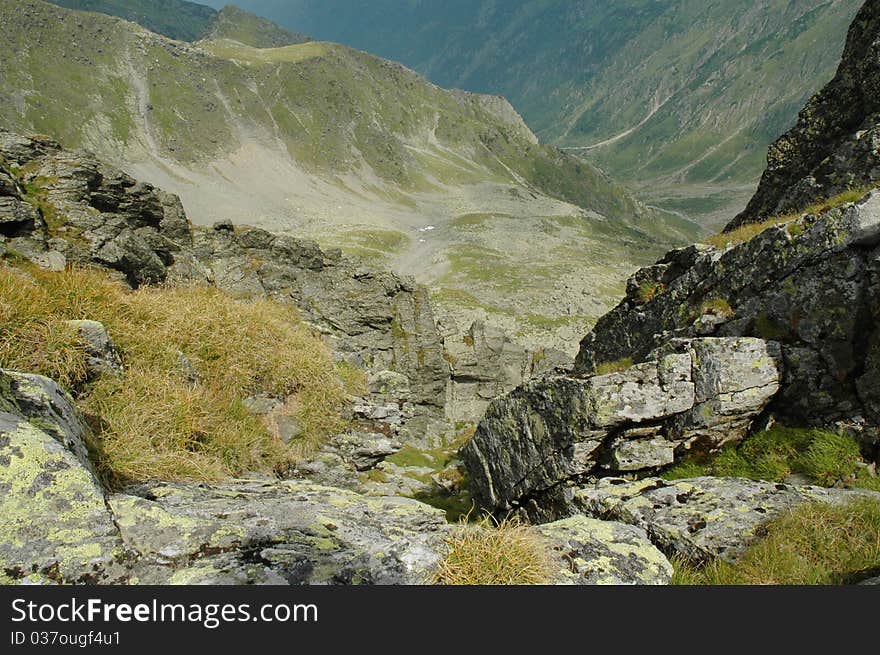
{"points": [[485, 363], [59, 525], [592, 552], [695, 395], [290, 532], [811, 285], [700, 518], [54, 523]]}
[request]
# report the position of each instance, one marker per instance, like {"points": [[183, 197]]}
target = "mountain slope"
{"points": [[835, 146], [176, 19], [342, 146], [679, 93], [238, 25], [190, 21]]}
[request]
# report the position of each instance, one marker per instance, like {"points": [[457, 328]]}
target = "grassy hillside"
{"points": [[681, 93], [152, 421]]}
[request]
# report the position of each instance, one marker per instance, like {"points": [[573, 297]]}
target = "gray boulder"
{"points": [[811, 285], [695, 395], [587, 551], [54, 523], [102, 356], [700, 518], [290, 532]]}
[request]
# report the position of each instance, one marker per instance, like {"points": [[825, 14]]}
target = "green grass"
{"points": [[647, 291], [814, 544], [616, 366], [151, 422], [825, 458]]}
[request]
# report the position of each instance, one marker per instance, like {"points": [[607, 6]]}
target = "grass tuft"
{"points": [[494, 553], [153, 422], [814, 544], [825, 458]]}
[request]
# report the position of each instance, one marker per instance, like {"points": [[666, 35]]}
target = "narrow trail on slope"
{"points": [[625, 133]]}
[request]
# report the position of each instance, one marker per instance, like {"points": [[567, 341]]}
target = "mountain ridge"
{"points": [[685, 95], [335, 144]]}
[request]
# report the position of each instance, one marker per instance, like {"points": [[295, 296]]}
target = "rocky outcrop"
{"points": [[54, 523], [701, 518], [693, 395], [58, 524], [77, 210], [485, 363], [109, 218], [836, 142], [812, 285]]}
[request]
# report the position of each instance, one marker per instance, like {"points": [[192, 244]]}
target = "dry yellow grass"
{"points": [[495, 553], [153, 422], [751, 230], [617, 366]]}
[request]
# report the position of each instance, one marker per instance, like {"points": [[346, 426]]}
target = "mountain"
{"points": [[189, 21], [238, 25], [835, 145], [342, 146], [697, 408], [177, 19], [679, 98]]}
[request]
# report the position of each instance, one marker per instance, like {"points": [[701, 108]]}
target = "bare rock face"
{"points": [[59, 525], [811, 285], [694, 394], [836, 142]]}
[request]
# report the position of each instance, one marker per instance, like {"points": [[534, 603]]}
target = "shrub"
{"points": [[494, 553], [153, 422], [814, 544]]}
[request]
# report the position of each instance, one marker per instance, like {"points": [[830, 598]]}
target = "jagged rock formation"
{"points": [[78, 210], [534, 443], [812, 285], [81, 211], [836, 142], [59, 525], [780, 327], [808, 290]]}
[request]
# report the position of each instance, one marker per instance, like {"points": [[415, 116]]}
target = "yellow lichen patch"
{"points": [[51, 478]]}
